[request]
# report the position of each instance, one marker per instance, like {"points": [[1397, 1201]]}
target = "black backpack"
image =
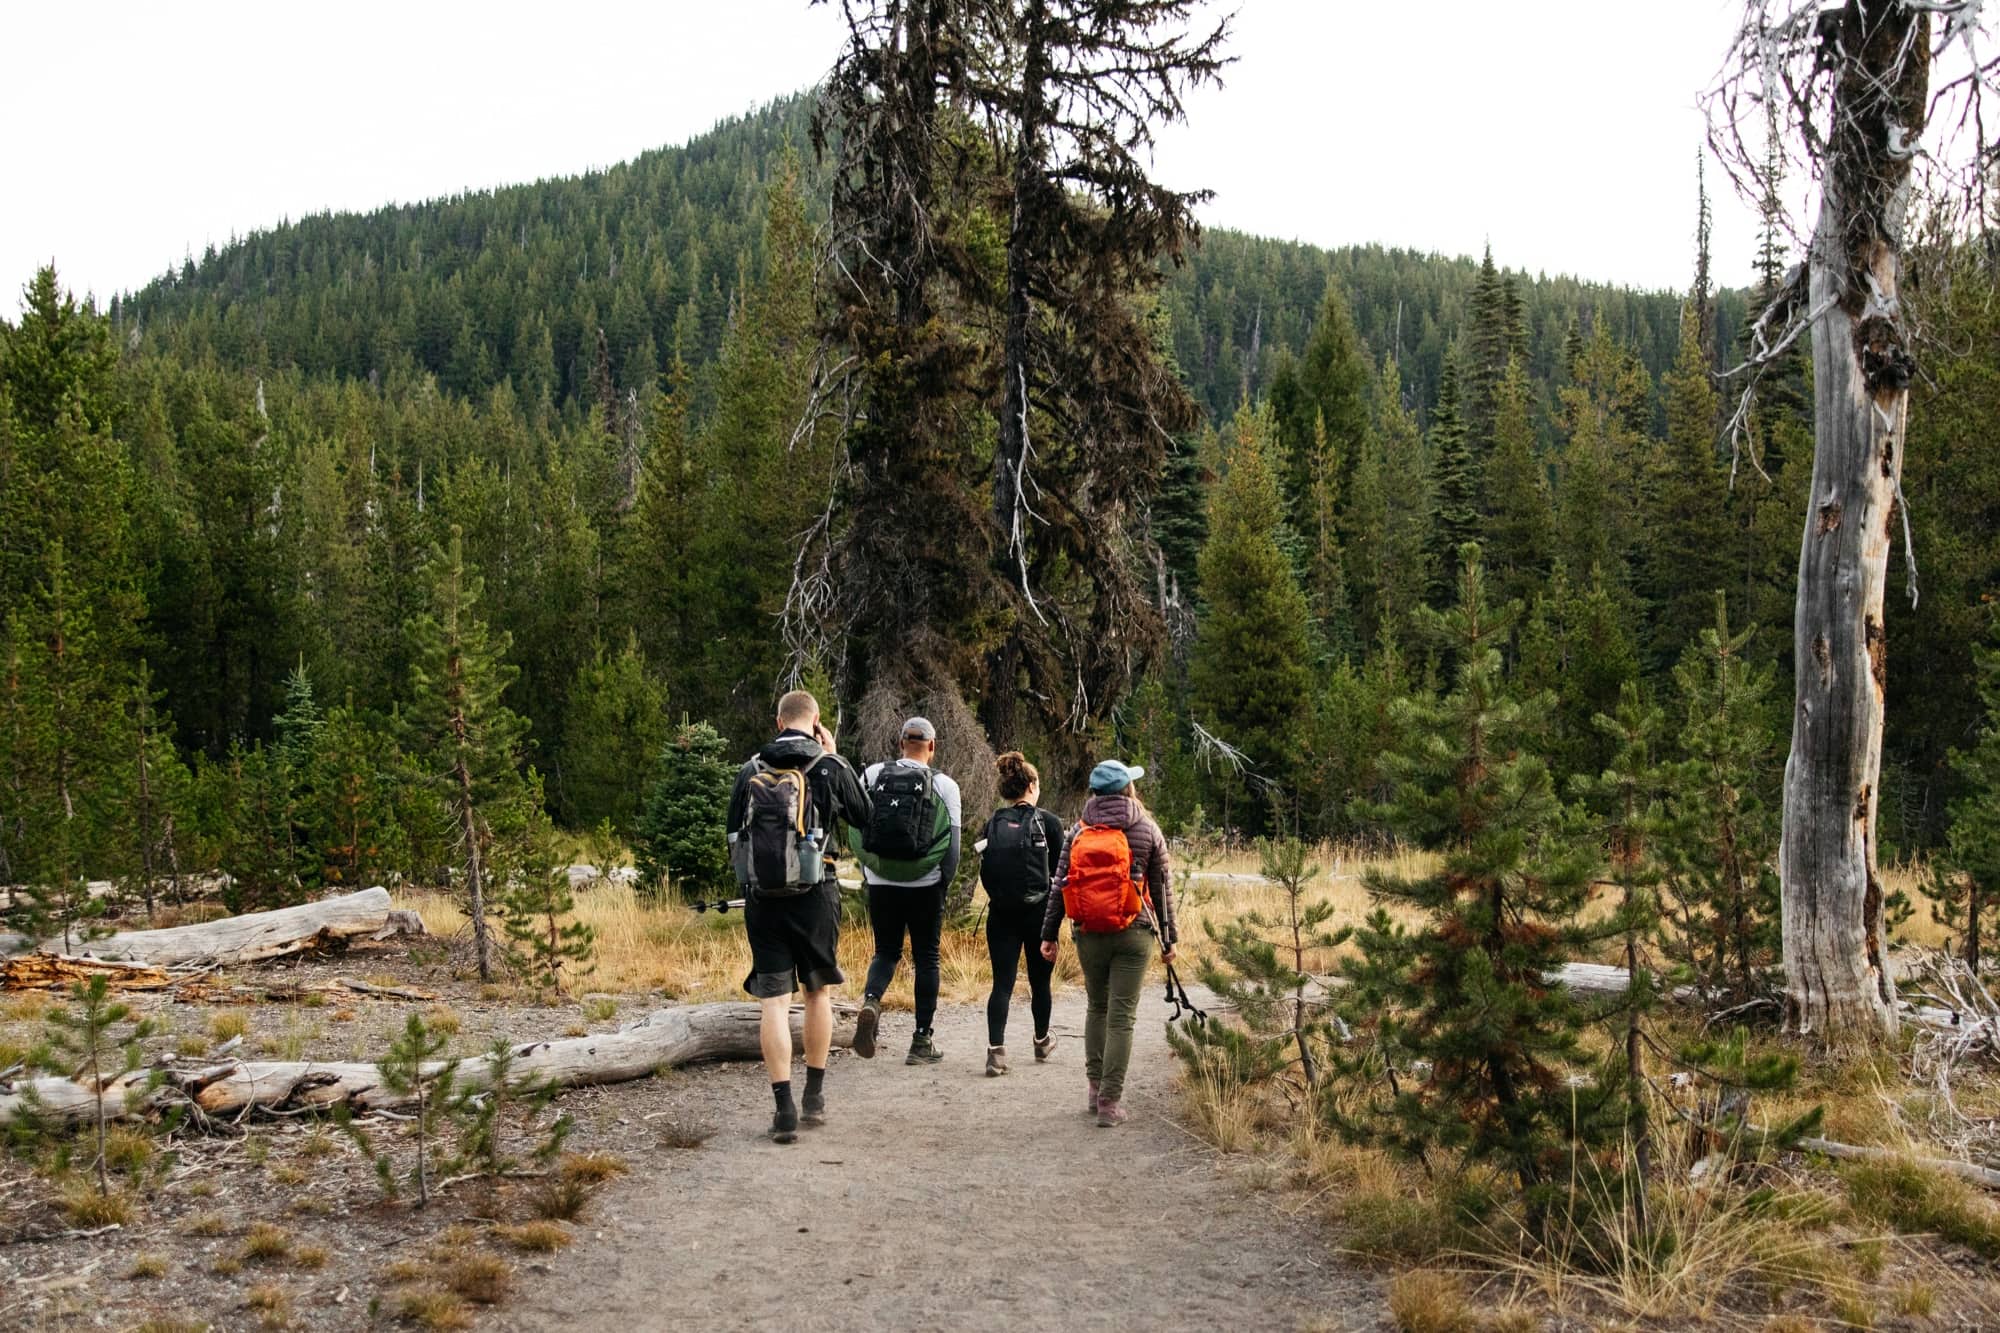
{"points": [[778, 852], [1015, 865], [903, 826]]}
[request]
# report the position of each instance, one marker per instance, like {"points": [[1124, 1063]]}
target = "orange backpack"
{"points": [[1101, 893]]}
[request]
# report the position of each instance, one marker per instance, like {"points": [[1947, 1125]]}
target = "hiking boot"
{"points": [[1092, 1108], [785, 1126], [812, 1110], [1043, 1046], [1110, 1113], [996, 1061], [923, 1051], [865, 1023]]}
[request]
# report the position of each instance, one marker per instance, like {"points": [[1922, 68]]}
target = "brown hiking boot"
{"points": [[1110, 1113], [996, 1061], [1043, 1046], [865, 1024]]}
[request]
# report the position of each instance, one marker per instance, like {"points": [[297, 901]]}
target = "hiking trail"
{"points": [[936, 1197]]}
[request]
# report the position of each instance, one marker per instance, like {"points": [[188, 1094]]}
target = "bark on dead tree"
{"points": [[1837, 983], [664, 1039]]}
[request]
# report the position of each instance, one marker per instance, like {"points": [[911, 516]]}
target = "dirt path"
{"points": [[938, 1198]]}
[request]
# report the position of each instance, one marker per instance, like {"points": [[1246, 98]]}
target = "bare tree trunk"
{"points": [[475, 869], [1837, 984]]}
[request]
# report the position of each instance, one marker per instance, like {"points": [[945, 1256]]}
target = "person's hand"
{"points": [[824, 737], [1049, 951], [1167, 954]]}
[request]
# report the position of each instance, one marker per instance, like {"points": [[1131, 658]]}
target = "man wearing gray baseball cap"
{"points": [[908, 853]]}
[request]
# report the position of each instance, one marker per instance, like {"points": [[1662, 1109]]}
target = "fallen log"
{"points": [[247, 938], [1607, 980], [1972, 1171], [664, 1039], [53, 971]]}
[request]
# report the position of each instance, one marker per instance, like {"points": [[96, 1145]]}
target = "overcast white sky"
{"points": [[1564, 131]]}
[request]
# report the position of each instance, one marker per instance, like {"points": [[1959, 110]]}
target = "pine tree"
{"points": [[1625, 802], [1474, 1037], [1319, 402], [152, 789], [1577, 646], [1721, 891], [1455, 480], [1520, 527], [84, 1043], [614, 726], [1604, 411], [1261, 969], [68, 700], [1249, 666], [1326, 583], [1388, 516], [1966, 881], [682, 837], [298, 726], [537, 909], [352, 826], [260, 831], [465, 737], [1496, 335], [1688, 553]]}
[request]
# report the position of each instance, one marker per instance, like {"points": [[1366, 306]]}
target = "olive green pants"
{"points": [[1114, 968]]}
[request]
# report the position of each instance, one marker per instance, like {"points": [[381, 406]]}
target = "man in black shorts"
{"points": [[793, 939]]}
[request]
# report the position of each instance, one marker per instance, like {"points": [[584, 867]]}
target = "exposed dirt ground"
{"points": [[936, 1197], [939, 1198]]}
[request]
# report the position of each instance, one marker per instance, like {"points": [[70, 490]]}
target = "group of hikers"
{"points": [[903, 820]]}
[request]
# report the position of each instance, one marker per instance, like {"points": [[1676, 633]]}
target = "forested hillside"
{"points": [[230, 488]]}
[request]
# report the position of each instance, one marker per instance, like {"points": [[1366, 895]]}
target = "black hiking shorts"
{"points": [[793, 942]]}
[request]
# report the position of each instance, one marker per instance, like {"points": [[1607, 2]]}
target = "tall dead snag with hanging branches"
{"points": [[887, 583], [1853, 83], [1071, 93], [994, 240]]}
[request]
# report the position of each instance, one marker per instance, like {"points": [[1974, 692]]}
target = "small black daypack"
{"points": [[778, 850], [1014, 868], [903, 826]]}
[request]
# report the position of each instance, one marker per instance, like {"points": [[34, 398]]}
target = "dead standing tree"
{"points": [[1071, 93], [1853, 85], [992, 237]]}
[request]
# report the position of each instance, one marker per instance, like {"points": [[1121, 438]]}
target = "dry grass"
{"points": [[310, 1258], [561, 1198], [432, 1308], [1220, 1109], [266, 1243], [229, 1023], [86, 1209], [147, 1266], [535, 1237], [480, 1277], [1424, 1300], [593, 1167], [272, 1303], [208, 1224], [30, 1006]]}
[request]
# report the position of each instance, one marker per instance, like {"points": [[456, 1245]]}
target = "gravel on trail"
{"points": [[936, 1197]]}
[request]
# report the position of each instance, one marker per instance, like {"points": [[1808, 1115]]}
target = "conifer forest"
{"points": [[1636, 649]]}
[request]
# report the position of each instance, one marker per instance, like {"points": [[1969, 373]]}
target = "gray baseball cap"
{"points": [[919, 729]]}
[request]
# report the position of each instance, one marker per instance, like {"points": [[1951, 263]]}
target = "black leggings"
{"points": [[919, 913], [1012, 932]]}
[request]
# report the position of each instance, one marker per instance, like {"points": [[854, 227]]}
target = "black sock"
{"points": [[782, 1092], [814, 1078]]}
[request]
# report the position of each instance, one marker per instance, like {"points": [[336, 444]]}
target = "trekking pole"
{"points": [[719, 905], [1177, 995]]}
